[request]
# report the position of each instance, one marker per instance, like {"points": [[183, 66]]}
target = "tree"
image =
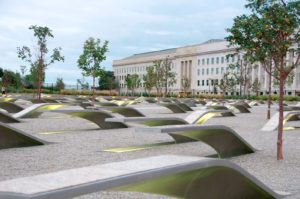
{"points": [[168, 77], [83, 84], [1, 72], [90, 60], [245, 33], [158, 71], [60, 85], [149, 79], [186, 84], [227, 83], [270, 35], [107, 81], [39, 63], [132, 82], [255, 87], [11, 78]]}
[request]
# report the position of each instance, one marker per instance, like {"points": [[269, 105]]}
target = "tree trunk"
{"points": [[39, 79], [94, 83], [166, 88], [158, 96], [269, 96], [280, 122]]}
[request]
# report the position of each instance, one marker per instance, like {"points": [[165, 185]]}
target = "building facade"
{"points": [[204, 65]]}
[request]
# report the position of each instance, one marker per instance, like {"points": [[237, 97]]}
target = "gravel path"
{"points": [[77, 143]]}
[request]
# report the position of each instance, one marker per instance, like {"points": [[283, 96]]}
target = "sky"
{"points": [[130, 26]]}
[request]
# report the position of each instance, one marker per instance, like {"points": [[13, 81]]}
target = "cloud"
{"points": [[131, 26]]}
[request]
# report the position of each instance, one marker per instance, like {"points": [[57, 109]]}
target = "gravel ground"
{"points": [[75, 142]]}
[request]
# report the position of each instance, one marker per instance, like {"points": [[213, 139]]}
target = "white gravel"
{"points": [[77, 143]]}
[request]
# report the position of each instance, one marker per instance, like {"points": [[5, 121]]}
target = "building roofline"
{"points": [[169, 50]]}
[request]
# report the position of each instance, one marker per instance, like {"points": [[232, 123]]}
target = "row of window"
{"points": [[217, 60], [209, 82], [135, 69], [211, 71], [122, 77]]}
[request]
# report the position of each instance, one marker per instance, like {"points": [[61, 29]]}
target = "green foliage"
{"points": [[158, 71], [163, 75], [132, 82], [86, 92], [107, 81], [83, 84], [255, 87], [149, 79], [39, 64], [169, 77], [270, 35], [186, 84], [60, 85], [10, 78], [228, 82], [1, 72], [90, 60]]}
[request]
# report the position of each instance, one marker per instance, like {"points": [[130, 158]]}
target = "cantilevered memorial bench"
{"points": [[239, 108], [7, 99], [11, 137], [223, 139], [272, 124], [190, 102], [33, 111], [291, 108], [45, 100], [170, 175], [243, 104], [95, 116], [196, 117], [217, 107], [125, 111], [150, 100], [175, 108], [106, 104], [7, 118], [11, 107], [184, 106], [253, 103]]}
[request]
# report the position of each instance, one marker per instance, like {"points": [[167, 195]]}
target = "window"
{"points": [[217, 60], [227, 58], [203, 61], [212, 60], [222, 60], [216, 82], [203, 71], [217, 71], [207, 82], [207, 61], [203, 82], [198, 71], [198, 62], [212, 71], [222, 70], [207, 71], [198, 83]]}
